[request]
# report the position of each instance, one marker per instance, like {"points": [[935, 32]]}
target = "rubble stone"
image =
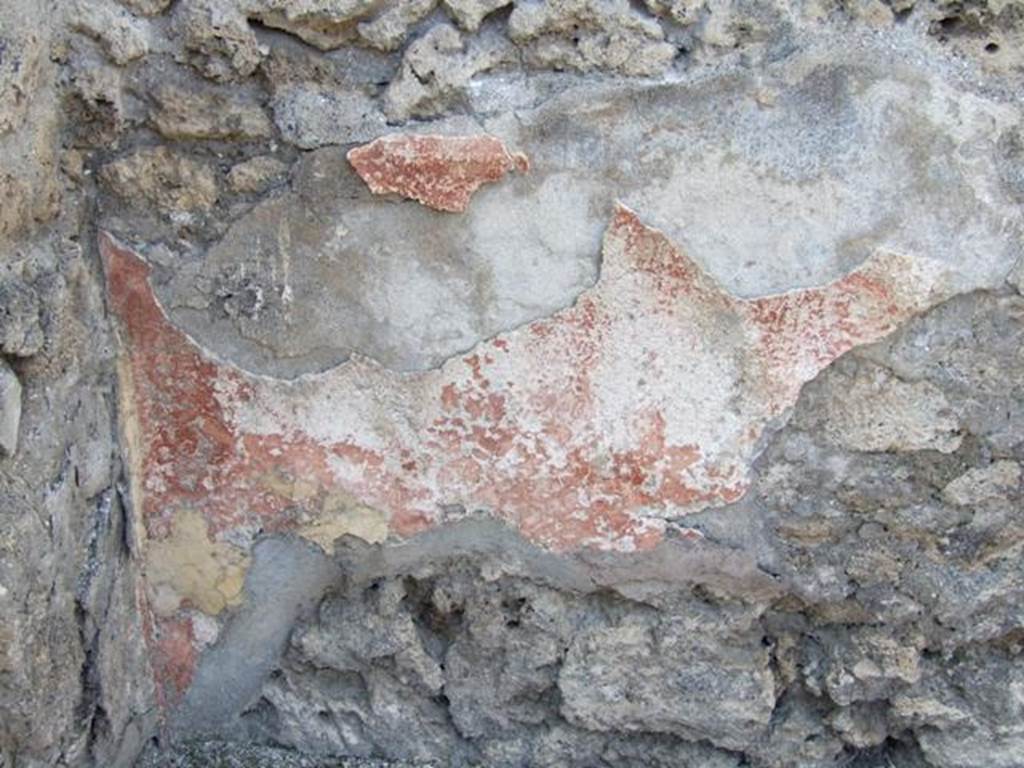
{"points": [[170, 180], [311, 116], [189, 114], [123, 37], [256, 174]]}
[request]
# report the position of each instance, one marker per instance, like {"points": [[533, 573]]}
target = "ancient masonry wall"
{"points": [[512, 383]]}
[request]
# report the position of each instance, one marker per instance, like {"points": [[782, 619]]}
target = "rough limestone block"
{"points": [[876, 411], [208, 114], [169, 179], [979, 485]]}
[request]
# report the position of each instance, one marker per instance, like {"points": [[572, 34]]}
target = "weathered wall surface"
{"points": [[75, 685], [513, 383]]}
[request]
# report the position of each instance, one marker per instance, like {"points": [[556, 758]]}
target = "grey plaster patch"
{"points": [[287, 578], [667, 567], [785, 179]]}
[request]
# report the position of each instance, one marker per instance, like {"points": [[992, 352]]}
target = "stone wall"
{"points": [[75, 683], [512, 383]]}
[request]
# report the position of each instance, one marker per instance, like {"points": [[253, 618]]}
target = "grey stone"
{"points": [[984, 33], [147, 7], [331, 24], [984, 484], [470, 13], [310, 115], [861, 725], [590, 35], [169, 180], [759, 29], [798, 735], [98, 106], [21, 329], [1016, 277], [388, 30], [29, 119], [680, 11], [24, 71], [699, 674], [868, 666], [972, 715], [437, 70], [10, 410], [203, 754], [875, 411], [217, 38]]}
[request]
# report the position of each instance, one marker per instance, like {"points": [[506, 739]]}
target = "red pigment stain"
{"points": [[536, 427], [442, 172], [174, 657], [811, 328]]}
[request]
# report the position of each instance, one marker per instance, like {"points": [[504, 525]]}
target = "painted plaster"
{"points": [[442, 172], [592, 428]]}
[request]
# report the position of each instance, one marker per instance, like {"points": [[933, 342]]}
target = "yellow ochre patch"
{"points": [[189, 567], [334, 513]]}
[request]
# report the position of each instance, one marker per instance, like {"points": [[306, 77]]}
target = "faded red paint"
{"points": [[811, 328], [441, 172], [196, 456], [644, 400], [174, 656]]}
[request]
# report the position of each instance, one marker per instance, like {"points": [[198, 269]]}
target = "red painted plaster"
{"points": [[441, 172], [643, 400]]}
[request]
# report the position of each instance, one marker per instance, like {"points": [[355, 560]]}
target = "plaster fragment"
{"points": [[588, 429], [442, 172], [547, 425]]}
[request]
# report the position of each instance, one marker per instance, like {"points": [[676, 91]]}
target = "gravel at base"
{"points": [[227, 755]]}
